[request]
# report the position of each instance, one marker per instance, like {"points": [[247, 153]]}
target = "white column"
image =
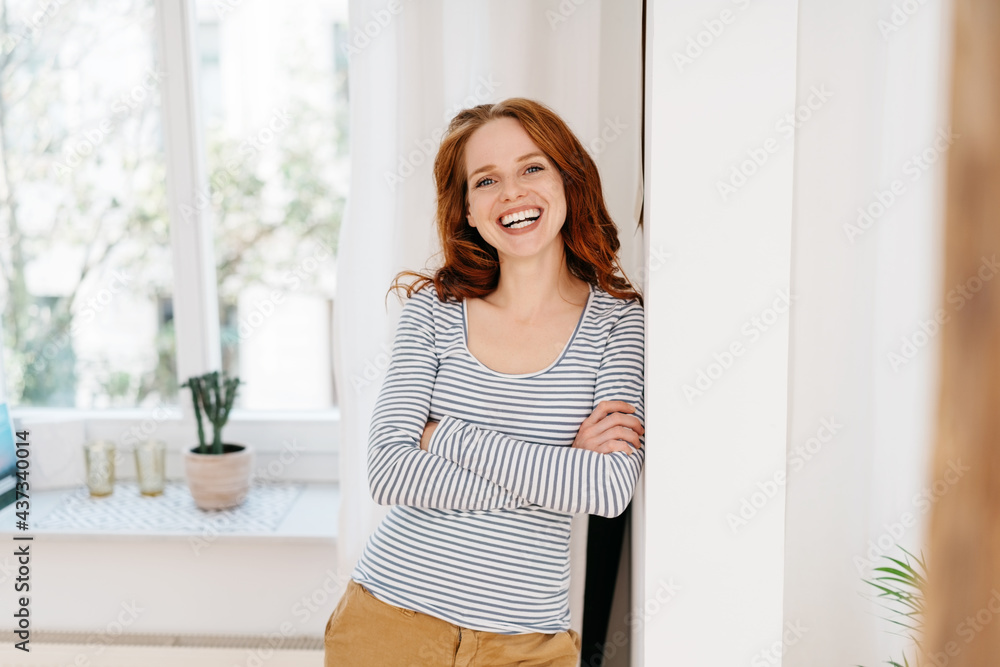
{"points": [[720, 81]]}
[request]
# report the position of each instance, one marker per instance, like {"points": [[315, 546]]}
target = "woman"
{"points": [[514, 399]]}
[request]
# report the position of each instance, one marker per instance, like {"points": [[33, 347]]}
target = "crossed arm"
{"points": [[470, 467]]}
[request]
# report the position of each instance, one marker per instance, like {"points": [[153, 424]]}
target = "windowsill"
{"points": [[173, 412], [310, 518], [302, 447]]}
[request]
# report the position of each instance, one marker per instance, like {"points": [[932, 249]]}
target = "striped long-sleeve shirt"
{"points": [[478, 534]]}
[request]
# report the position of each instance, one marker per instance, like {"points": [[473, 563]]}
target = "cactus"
{"points": [[214, 396]]}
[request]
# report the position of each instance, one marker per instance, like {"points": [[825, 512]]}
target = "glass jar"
{"points": [[100, 459], [150, 467]]}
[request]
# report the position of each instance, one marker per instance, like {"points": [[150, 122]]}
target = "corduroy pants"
{"points": [[363, 631]]}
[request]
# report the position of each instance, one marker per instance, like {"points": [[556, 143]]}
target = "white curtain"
{"points": [[413, 65], [863, 282]]}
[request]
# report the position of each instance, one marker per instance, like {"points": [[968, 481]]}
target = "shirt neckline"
{"points": [[569, 343]]}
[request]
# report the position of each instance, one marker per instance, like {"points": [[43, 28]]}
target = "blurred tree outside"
{"points": [[97, 203]]}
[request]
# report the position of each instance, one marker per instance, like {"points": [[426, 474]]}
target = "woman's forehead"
{"points": [[499, 141]]}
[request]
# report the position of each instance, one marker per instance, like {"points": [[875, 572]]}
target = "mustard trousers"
{"points": [[363, 631]]}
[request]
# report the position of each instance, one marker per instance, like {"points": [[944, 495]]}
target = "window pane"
{"points": [[84, 238], [273, 99]]}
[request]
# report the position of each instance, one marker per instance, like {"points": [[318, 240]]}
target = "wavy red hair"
{"points": [[471, 266]]}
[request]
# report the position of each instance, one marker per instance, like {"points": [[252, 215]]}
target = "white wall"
{"points": [[229, 586], [869, 83], [207, 582], [725, 284]]}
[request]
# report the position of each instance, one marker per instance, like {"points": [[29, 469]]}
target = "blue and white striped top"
{"points": [[479, 530]]}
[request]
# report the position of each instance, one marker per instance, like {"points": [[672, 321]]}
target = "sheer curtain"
{"points": [[413, 65], [866, 270]]}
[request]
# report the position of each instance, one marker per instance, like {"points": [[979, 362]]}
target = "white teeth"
{"points": [[519, 225], [519, 217]]}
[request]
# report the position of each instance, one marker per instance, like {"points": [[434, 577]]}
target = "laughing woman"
{"points": [[513, 400]]}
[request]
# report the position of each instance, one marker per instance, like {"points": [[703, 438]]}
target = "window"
{"points": [[86, 249], [90, 236], [273, 113]]}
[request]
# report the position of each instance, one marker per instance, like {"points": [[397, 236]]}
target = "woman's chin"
{"points": [[529, 249]]}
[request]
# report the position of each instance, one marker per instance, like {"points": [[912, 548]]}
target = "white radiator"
{"points": [[77, 649]]}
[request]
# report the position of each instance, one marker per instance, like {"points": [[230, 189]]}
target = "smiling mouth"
{"points": [[521, 218]]}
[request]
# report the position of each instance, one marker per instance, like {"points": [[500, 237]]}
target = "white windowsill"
{"points": [[288, 446], [311, 518], [331, 415]]}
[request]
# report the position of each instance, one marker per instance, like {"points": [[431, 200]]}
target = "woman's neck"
{"points": [[530, 286]]}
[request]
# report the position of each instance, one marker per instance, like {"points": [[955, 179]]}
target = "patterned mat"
{"points": [[126, 510]]}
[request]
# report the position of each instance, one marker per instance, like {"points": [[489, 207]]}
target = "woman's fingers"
{"points": [[616, 446], [616, 434], [605, 408], [596, 437], [611, 427], [619, 419]]}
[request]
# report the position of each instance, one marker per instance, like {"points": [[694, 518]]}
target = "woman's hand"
{"points": [[425, 438], [611, 427]]}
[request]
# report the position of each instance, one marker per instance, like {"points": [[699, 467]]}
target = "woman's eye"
{"points": [[485, 181], [533, 168]]}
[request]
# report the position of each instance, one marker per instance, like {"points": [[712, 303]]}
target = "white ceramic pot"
{"points": [[219, 481]]}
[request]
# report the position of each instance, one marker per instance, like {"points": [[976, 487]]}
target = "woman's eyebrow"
{"points": [[489, 167]]}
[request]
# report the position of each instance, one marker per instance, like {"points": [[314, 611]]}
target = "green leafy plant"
{"points": [[901, 585], [213, 394]]}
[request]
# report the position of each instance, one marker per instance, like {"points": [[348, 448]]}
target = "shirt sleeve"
{"points": [[564, 479], [399, 472]]}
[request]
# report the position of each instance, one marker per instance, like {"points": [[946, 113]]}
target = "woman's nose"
{"points": [[511, 189]]}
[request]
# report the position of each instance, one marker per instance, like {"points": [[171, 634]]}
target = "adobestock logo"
{"points": [[566, 9], [922, 503], [423, 150], [373, 369], [637, 617], [884, 199], [740, 174], [795, 460], [772, 655], [901, 14], [30, 26], [95, 305], [612, 130], [482, 93], [968, 629], [251, 146], [723, 361], [701, 41], [145, 430], [928, 328], [696, 44], [85, 145], [363, 35]]}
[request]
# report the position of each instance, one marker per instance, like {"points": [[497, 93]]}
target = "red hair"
{"points": [[471, 266]]}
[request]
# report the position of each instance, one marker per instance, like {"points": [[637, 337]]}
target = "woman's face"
{"points": [[516, 197]]}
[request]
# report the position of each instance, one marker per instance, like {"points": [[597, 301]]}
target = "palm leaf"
{"points": [[900, 585]]}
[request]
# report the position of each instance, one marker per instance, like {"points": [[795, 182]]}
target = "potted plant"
{"points": [[218, 473]]}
